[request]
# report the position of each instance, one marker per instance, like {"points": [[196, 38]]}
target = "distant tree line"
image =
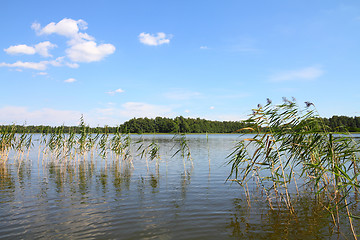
{"points": [[178, 124], [343, 123]]}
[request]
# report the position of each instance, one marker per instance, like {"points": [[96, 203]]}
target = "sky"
{"points": [[111, 61]]}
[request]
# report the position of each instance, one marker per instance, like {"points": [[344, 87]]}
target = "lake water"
{"points": [[108, 199]]}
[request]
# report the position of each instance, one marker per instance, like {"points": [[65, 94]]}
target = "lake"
{"points": [[169, 198]]}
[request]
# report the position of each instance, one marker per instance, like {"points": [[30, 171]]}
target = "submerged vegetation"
{"points": [[293, 154]]}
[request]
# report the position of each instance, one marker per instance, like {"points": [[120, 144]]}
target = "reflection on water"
{"points": [[114, 199], [310, 221], [7, 184]]}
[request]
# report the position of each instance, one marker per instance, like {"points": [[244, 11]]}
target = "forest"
{"points": [[180, 125]]}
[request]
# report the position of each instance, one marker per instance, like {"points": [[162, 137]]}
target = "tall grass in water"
{"points": [[182, 146], [151, 151], [7, 142], [291, 145], [20, 143]]}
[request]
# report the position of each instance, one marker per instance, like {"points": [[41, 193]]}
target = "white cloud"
{"points": [[154, 40], [109, 115], [41, 66], [72, 65], [40, 48], [89, 51], [66, 27], [204, 47], [187, 111], [115, 91], [43, 48], [212, 107], [82, 47], [44, 116], [70, 80], [181, 94], [308, 73], [30, 65], [119, 90], [42, 73], [20, 49], [36, 26]]}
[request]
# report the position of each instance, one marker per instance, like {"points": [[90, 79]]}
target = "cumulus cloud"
{"points": [[20, 49], [40, 48], [89, 51], [70, 80], [82, 47], [66, 27], [43, 48], [154, 40], [308, 73]]}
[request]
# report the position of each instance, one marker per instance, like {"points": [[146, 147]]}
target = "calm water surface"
{"points": [[106, 199]]}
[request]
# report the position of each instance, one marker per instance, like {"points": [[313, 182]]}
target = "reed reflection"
{"points": [[7, 182], [121, 176], [309, 221]]}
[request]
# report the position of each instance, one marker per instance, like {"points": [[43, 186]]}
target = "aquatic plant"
{"points": [[182, 146], [292, 145], [151, 150], [7, 142]]}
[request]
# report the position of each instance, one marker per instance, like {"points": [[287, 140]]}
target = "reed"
{"points": [[182, 146], [149, 151], [291, 144], [7, 142]]}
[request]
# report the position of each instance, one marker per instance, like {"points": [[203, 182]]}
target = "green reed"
{"points": [[120, 145], [7, 142], [70, 147], [151, 151], [291, 145], [182, 146]]}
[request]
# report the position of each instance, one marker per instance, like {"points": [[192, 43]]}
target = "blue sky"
{"points": [[115, 60]]}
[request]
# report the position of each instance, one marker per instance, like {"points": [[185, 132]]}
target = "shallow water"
{"points": [[99, 199]]}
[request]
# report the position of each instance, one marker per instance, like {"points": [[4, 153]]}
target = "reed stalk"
{"points": [[182, 146], [290, 142]]}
